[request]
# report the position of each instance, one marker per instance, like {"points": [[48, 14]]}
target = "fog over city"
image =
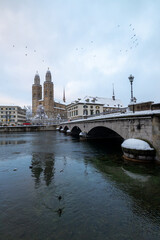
{"points": [[87, 45]]}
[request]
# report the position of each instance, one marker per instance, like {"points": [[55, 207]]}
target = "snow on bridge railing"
{"points": [[122, 110]]}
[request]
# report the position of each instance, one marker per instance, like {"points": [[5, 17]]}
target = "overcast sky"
{"points": [[88, 45]]}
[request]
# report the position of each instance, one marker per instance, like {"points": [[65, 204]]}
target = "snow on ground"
{"points": [[137, 144]]}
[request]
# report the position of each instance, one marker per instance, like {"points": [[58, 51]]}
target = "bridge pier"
{"points": [[156, 135], [83, 136]]}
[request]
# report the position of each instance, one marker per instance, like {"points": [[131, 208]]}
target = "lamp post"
{"points": [[131, 78]]}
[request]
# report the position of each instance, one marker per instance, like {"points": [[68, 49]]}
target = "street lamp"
{"points": [[131, 78]]}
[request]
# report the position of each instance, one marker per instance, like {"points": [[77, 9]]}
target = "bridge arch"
{"points": [[65, 129], [76, 131], [114, 128], [102, 132], [60, 127]]}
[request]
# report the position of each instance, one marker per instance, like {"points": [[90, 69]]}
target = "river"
{"points": [[54, 187]]}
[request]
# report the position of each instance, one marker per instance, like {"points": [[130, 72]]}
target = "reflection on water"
{"points": [[67, 189], [42, 163], [136, 176], [12, 142], [139, 181]]}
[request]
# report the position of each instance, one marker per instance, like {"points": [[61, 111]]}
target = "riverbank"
{"points": [[36, 128]]}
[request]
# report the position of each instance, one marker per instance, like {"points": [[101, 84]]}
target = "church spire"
{"points": [[113, 97], [48, 76], [64, 98]]}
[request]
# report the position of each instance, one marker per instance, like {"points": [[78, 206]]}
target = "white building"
{"points": [[92, 106], [110, 103], [10, 115]]}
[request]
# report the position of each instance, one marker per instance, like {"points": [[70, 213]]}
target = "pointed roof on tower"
{"points": [[48, 76], [37, 79]]}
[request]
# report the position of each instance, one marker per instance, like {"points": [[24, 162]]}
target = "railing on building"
{"points": [[45, 122]]}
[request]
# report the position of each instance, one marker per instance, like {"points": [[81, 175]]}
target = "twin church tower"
{"points": [[51, 107]]}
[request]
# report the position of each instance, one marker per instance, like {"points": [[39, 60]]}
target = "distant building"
{"points": [[10, 115], [51, 107], [144, 106], [110, 104], [92, 106]]}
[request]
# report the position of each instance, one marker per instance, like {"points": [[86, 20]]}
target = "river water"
{"points": [[54, 187]]}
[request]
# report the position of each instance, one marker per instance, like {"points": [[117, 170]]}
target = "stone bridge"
{"points": [[140, 125]]}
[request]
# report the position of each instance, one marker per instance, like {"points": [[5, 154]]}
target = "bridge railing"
{"points": [[121, 110]]}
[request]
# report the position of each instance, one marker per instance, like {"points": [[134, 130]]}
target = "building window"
{"points": [[97, 112], [85, 112], [91, 111]]}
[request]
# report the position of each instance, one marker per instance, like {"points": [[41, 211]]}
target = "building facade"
{"points": [[144, 106], [52, 108], [92, 106], [12, 115]]}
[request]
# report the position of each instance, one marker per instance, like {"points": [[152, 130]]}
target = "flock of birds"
{"points": [[26, 52], [82, 49], [132, 43]]}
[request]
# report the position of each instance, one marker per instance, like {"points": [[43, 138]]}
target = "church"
{"points": [[51, 107]]}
